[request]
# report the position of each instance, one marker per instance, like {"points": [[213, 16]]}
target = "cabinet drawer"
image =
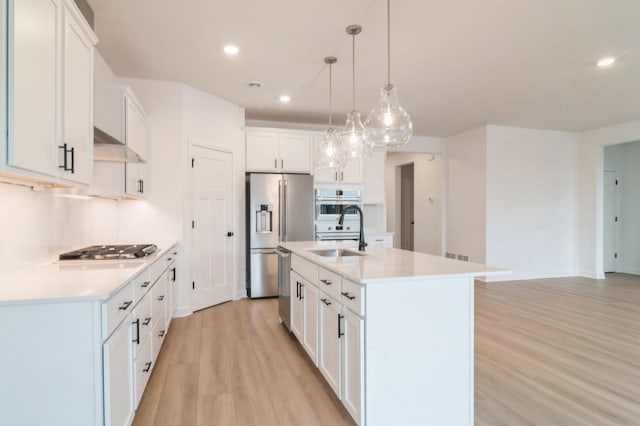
{"points": [[305, 268], [352, 297], [116, 308], [385, 240], [142, 323], [158, 335], [141, 284], [329, 283], [142, 366], [159, 299]]}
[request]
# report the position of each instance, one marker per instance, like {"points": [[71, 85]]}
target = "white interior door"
{"points": [[610, 221], [213, 239]]}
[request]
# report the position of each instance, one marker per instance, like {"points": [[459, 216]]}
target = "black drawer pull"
{"points": [[137, 339], [161, 297], [147, 321], [145, 284], [340, 333], [175, 253], [173, 274], [327, 282], [161, 334], [326, 302], [348, 296], [147, 367], [169, 259], [125, 305]]}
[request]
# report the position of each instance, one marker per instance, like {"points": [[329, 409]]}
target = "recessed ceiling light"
{"points": [[285, 98], [605, 62], [231, 50]]}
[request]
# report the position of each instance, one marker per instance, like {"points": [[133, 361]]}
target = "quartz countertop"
{"points": [[384, 263], [56, 281]]}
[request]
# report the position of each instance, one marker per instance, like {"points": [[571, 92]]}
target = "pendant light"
{"points": [[331, 154], [352, 136], [388, 124]]}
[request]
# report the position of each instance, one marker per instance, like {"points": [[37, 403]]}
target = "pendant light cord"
{"points": [[330, 95], [354, 70], [388, 42]]}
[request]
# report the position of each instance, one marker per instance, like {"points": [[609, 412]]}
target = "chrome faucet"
{"points": [[361, 242]]}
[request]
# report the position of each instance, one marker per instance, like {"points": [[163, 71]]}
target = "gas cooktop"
{"points": [[128, 251]]}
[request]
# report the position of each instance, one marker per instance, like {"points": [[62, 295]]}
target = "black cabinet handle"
{"points": [[161, 298], [327, 282], [229, 234], [147, 367], [145, 284], [301, 296], [275, 163], [161, 334], [297, 289], [326, 302], [340, 333], [169, 259], [173, 274], [175, 253], [125, 305], [147, 321], [65, 163], [348, 296], [281, 163], [137, 339]]}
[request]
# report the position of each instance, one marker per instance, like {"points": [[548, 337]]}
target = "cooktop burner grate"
{"points": [[126, 251]]}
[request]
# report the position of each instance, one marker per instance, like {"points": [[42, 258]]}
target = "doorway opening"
{"points": [[407, 219]]}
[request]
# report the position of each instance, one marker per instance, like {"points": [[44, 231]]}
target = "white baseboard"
{"points": [[182, 311], [625, 270], [522, 277]]}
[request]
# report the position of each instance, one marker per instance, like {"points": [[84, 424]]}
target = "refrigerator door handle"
{"points": [[280, 210], [284, 211]]}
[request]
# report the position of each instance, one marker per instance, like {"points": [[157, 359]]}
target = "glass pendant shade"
{"points": [[352, 137], [388, 124], [330, 153]]}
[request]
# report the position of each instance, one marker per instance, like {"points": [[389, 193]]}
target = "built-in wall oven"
{"points": [[330, 203]]}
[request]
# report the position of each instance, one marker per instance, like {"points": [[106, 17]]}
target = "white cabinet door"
{"points": [[262, 152], [78, 99], [294, 153], [352, 173], [310, 320], [353, 364], [136, 138], [34, 89], [329, 360], [118, 383], [296, 287], [374, 178]]}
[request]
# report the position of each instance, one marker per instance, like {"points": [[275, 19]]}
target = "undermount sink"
{"points": [[336, 253]]}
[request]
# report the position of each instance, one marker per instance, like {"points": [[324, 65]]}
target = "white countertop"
{"points": [[56, 281], [383, 263]]}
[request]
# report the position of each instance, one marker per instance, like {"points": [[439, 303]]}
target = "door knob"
{"points": [[229, 234]]}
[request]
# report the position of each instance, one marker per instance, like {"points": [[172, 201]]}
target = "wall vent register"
{"points": [[109, 252]]}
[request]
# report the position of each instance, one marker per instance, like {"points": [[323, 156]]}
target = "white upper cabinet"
{"points": [[78, 97], [351, 174], [374, 178], [50, 86], [119, 113], [278, 151]]}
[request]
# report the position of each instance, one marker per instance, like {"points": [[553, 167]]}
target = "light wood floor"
{"points": [[548, 352]]}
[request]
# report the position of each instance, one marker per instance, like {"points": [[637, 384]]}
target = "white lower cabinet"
{"points": [[327, 318], [352, 346], [142, 364], [117, 377], [330, 359]]}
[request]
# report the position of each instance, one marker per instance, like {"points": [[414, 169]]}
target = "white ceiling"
{"points": [[458, 64]]}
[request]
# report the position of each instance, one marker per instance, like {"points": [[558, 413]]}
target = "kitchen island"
{"points": [[390, 330]]}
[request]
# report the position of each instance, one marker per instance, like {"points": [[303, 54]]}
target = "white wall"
{"points": [[467, 189], [428, 183], [591, 169], [531, 213], [624, 159], [37, 226]]}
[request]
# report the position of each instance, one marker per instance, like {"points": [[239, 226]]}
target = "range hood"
{"points": [[108, 148]]}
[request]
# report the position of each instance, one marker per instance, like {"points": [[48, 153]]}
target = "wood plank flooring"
{"points": [[235, 364], [558, 352], [547, 352]]}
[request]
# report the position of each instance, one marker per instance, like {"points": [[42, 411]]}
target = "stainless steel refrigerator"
{"points": [[280, 207]]}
